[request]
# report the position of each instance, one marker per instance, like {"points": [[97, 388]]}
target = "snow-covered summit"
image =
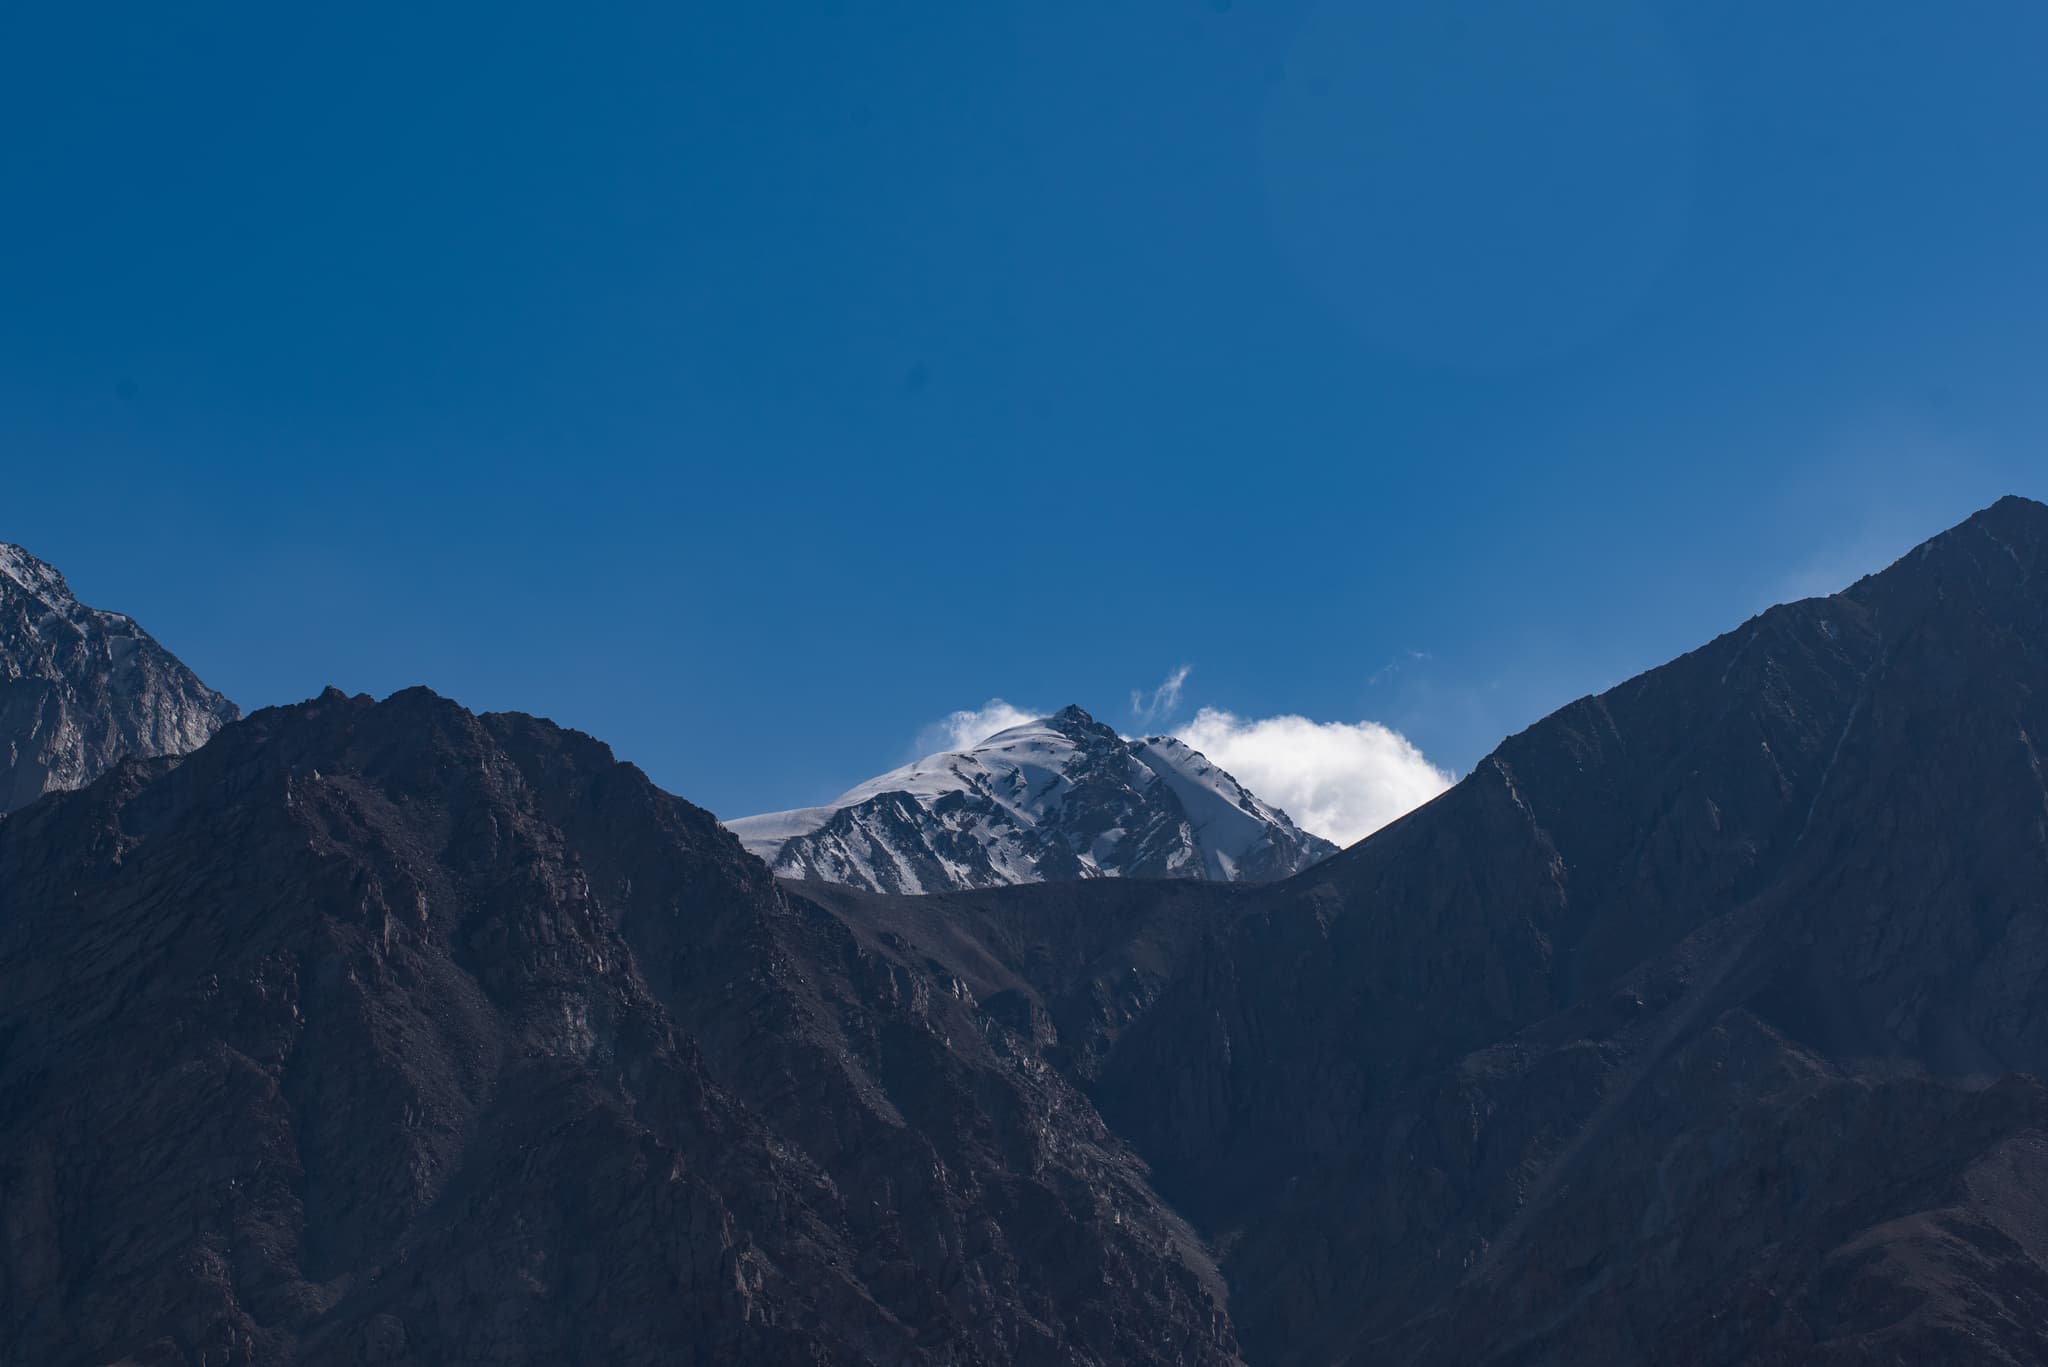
{"points": [[1062, 797], [81, 687], [34, 577]]}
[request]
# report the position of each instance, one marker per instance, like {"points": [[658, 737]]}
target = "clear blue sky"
{"points": [[750, 384]]}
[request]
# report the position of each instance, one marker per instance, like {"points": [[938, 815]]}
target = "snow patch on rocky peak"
{"points": [[1053, 798], [35, 577]]}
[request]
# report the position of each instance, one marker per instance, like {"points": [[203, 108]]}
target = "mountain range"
{"points": [[1063, 797], [1703, 1023]]}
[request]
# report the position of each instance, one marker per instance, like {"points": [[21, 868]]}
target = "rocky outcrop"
{"points": [[80, 688]]}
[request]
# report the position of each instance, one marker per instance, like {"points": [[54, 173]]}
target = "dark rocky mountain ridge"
{"points": [[1673, 1030], [1701, 1024], [381, 1032]]}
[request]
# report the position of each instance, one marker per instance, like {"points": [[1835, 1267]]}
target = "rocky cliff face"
{"points": [[1057, 799], [80, 688], [1702, 1024]]}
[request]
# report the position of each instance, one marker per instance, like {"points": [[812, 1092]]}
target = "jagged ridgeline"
{"points": [[80, 688], [1060, 798]]}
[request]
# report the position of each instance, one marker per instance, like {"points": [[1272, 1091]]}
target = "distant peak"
{"points": [[1995, 549], [35, 576], [1074, 723], [102, 688], [2012, 521], [2015, 511]]}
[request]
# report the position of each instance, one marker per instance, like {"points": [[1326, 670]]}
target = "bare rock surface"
{"points": [[80, 688]]}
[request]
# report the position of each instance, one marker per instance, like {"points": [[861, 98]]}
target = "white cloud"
{"points": [[1340, 780], [960, 730], [1162, 701]]}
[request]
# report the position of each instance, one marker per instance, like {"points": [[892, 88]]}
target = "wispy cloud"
{"points": [[1341, 780], [965, 729], [1161, 702], [1395, 666]]}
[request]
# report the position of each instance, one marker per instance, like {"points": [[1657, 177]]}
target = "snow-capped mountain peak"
{"points": [[1061, 797], [81, 687], [36, 578]]}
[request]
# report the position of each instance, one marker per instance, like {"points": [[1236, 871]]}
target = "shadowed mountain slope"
{"points": [[1680, 1030], [384, 1032]]}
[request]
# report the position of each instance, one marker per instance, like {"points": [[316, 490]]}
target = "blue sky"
{"points": [[753, 385]]}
